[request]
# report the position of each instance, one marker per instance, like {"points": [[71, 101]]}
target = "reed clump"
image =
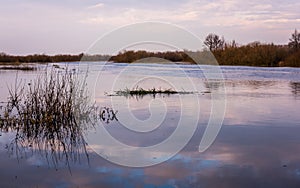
{"points": [[49, 114]]}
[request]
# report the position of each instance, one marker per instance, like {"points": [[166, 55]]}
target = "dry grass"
{"points": [[49, 115]]}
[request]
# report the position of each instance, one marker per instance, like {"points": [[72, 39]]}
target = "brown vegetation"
{"points": [[253, 54], [42, 58]]}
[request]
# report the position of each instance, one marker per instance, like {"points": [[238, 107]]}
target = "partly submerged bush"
{"points": [[140, 92]]}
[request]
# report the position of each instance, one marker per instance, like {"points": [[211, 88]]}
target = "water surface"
{"points": [[257, 146]]}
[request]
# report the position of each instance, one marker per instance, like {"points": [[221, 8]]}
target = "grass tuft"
{"points": [[49, 114]]}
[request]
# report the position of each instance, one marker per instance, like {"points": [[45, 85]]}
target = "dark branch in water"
{"points": [[107, 115]]}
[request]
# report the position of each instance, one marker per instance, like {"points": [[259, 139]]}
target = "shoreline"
{"points": [[31, 65]]}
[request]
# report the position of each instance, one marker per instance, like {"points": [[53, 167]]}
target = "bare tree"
{"points": [[295, 41], [214, 42], [231, 44]]}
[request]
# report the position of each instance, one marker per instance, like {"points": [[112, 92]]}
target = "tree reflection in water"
{"points": [[295, 88], [49, 116], [212, 85]]}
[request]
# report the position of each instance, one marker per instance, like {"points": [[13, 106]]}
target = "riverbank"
{"points": [[250, 55]]}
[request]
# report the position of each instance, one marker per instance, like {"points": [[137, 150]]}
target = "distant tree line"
{"points": [[256, 53], [132, 56], [226, 53], [230, 53], [38, 58], [42, 58]]}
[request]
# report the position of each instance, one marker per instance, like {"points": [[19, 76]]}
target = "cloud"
{"points": [[96, 6], [219, 13], [244, 21]]}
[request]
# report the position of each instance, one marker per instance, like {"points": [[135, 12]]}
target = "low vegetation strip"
{"points": [[22, 68], [138, 91]]}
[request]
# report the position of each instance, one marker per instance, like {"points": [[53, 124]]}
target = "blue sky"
{"points": [[71, 26]]}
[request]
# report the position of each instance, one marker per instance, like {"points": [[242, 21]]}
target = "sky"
{"points": [[72, 26]]}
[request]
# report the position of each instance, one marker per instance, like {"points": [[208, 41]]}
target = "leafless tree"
{"points": [[214, 42], [295, 41]]}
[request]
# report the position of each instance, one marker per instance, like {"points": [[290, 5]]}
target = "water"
{"points": [[257, 146]]}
